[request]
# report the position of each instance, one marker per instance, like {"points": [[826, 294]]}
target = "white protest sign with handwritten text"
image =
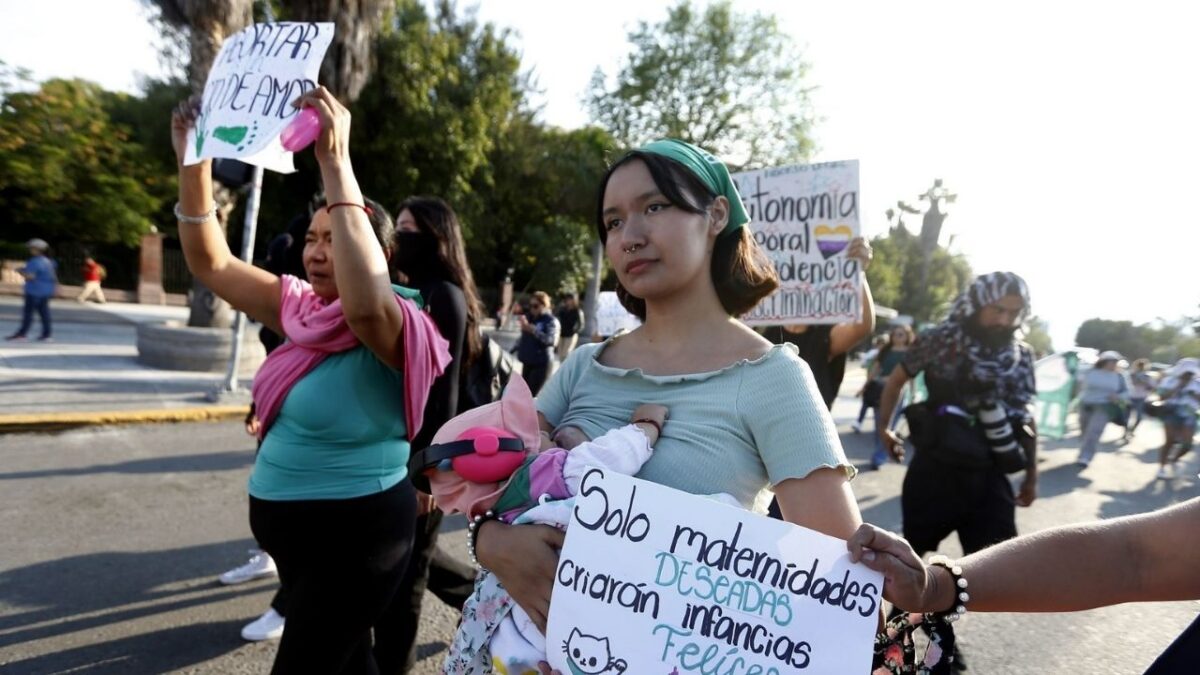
{"points": [[804, 217], [611, 315], [654, 581], [248, 95]]}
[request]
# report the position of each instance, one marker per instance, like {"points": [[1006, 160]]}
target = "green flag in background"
{"points": [[1056, 385]]}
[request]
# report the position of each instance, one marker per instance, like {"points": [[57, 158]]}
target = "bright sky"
{"points": [[1068, 129]]}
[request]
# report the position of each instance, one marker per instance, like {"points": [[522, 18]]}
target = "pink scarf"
{"points": [[316, 328]]}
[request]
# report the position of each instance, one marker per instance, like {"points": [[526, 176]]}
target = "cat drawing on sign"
{"points": [[588, 655]]}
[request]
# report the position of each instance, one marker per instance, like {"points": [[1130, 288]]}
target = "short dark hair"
{"points": [[741, 272]]}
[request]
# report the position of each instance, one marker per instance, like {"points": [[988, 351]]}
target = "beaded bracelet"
{"points": [[194, 220], [959, 607], [473, 533]]}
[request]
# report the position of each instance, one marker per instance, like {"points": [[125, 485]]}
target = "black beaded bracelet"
{"points": [[473, 526], [959, 608]]}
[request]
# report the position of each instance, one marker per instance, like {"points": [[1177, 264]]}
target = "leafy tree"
{"points": [[730, 82], [895, 276], [1038, 336], [1162, 342], [69, 171], [445, 90], [537, 210], [357, 24]]}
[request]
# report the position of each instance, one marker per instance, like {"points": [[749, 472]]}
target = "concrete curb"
{"points": [[21, 423]]}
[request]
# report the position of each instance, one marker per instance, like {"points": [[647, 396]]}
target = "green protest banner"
{"points": [[1056, 385]]}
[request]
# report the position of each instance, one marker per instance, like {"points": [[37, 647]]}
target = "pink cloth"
{"points": [[515, 411], [316, 328]]}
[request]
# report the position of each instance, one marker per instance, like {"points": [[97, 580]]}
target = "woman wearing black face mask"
{"points": [[429, 255]]}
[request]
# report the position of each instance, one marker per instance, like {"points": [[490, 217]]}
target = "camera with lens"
{"points": [[998, 429]]}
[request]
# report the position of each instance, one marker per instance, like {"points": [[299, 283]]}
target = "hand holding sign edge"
{"points": [[907, 582]]}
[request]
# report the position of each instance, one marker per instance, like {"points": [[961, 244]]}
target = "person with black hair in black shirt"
{"points": [[824, 348], [429, 255]]}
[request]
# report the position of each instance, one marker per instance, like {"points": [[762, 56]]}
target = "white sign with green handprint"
{"points": [[248, 95]]}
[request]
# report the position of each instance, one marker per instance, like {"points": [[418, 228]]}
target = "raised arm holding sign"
{"points": [[339, 526]]}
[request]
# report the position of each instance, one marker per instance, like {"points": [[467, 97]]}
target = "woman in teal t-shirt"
{"points": [[339, 401], [745, 414]]}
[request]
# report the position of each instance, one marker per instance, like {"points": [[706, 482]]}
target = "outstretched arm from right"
{"points": [[1142, 558]]}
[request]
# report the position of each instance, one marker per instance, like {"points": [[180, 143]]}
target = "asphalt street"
{"points": [[113, 538]]}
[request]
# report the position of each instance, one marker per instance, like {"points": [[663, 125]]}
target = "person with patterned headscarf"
{"points": [[975, 367], [971, 360]]}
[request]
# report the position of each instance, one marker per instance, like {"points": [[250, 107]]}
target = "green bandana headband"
{"points": [[710, 170]]}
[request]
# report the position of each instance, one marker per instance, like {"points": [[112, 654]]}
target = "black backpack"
{"points": [[487, 376]]}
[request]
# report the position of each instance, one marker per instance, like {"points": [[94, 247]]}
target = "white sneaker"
{"points": [[856, 427], [260, 565], [269, 626], [1166, 471]]}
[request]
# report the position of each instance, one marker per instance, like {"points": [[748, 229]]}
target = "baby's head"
{"points": [[473, 455]]}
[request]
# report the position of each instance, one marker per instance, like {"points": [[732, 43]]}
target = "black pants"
{"points": [[42, 307], [340, 560], [534, 375], [939, 499], [428, 567]]}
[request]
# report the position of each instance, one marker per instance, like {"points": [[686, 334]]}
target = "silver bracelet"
{"points": [[194, 220], [473, 534], [959, 608]]}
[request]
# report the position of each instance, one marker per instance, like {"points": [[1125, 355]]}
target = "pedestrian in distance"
{"points": [[1104, 399], [1141, 385], [1180, 395], [539, 334], [889, 357], [93, 274], [570, 320], [868, 359], [41, 281]]}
